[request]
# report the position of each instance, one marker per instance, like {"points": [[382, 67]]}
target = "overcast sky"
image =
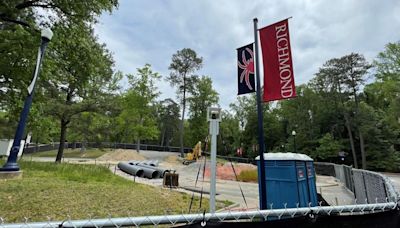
{"points": [[141, 32]]}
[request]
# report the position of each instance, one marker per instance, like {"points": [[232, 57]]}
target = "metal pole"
{"points": [[294, 143], [12, 164], [262, 186], [214, 130]]}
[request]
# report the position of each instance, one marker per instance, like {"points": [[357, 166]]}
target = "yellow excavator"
{"points": [[194, 155]]}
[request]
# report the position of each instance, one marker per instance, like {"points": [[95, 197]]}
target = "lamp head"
{"points": [[47, 34]]}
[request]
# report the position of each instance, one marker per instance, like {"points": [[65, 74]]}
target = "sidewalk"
{"points": [[334, 191]]}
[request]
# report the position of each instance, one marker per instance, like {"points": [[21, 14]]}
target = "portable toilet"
{"points": [[290, 180]]}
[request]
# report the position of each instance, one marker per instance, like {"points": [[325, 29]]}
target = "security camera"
{"points": [[214, 114]]}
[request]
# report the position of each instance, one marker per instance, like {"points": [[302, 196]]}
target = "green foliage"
{"points": [[328, 147], [183, 66], [248, 176], [168, 121], [137, 120], [203, 96], [23, 12], [229, 135]]}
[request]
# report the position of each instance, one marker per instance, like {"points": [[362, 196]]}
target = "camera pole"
{"points": [[214, 117]]}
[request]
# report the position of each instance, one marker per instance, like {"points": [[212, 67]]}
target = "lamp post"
{"points": [[294, 141], [12, 165]]}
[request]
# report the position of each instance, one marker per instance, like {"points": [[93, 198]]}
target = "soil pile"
{"points": [[121, 155]]}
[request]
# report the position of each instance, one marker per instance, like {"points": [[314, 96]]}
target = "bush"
{"points": [[248, 175]]}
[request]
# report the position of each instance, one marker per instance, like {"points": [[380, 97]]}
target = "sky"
{"points": [[140, 32]]}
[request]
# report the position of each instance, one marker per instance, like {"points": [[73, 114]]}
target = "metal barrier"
{"points": [[367, 186], [32, 148], [255, 215]]}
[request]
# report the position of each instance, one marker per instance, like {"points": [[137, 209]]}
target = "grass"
{"points": [[73, 153], [59, 191], [248, 176]]}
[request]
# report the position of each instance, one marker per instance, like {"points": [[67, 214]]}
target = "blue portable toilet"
{"points": [[290, 180]]}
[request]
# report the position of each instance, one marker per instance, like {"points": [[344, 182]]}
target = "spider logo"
{"points": [[247, 66]]}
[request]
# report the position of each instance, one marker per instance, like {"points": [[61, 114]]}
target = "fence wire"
{"points": [[255, 215]]}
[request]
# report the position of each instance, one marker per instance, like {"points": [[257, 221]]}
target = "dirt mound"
{"points": [[121, 155], [172, 162]]}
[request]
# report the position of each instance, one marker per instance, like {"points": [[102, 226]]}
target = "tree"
{"points": [[203, 96], [340, 79], [183, 66], [18, 50], [328, 147], [168, 121], [77, 76], [229, 134], [26, 12], [383, 97], [355, 67], [137, 119], [299, 115], [385, 92], [19, 23], [245, 113]]}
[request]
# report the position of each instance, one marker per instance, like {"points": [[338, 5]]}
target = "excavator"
{"points": [[194, 155]]}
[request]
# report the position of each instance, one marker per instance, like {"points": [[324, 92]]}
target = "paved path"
{"points": [[395, 178], [333, 191]]}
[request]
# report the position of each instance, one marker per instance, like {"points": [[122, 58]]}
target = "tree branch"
{"points": [[26, 4], [7, 19], [52, 6]]}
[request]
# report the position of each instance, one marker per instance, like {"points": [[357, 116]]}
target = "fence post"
{"points": [[365, 187]]}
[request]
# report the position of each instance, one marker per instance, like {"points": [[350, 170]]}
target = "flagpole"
{"points": [[11, 165], [262, 186]]}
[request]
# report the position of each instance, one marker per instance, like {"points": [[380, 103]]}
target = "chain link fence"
{"points": [[375, 195], [219, 217]]}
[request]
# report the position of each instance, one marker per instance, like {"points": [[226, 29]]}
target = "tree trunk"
{"points": [[362, 144], [162, 137], [353, 150], [138, 144], [181, 129], [37, 144], [362, 148], [183, 117], [63, 135]]}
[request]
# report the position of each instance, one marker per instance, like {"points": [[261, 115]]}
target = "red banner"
{"points": [[277, 61]]}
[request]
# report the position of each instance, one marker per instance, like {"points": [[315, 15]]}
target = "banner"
{"points": [[277, 61], [245, 61]]}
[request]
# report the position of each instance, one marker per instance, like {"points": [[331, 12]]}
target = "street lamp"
{"points": [[11, 165], [294, 140]]}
